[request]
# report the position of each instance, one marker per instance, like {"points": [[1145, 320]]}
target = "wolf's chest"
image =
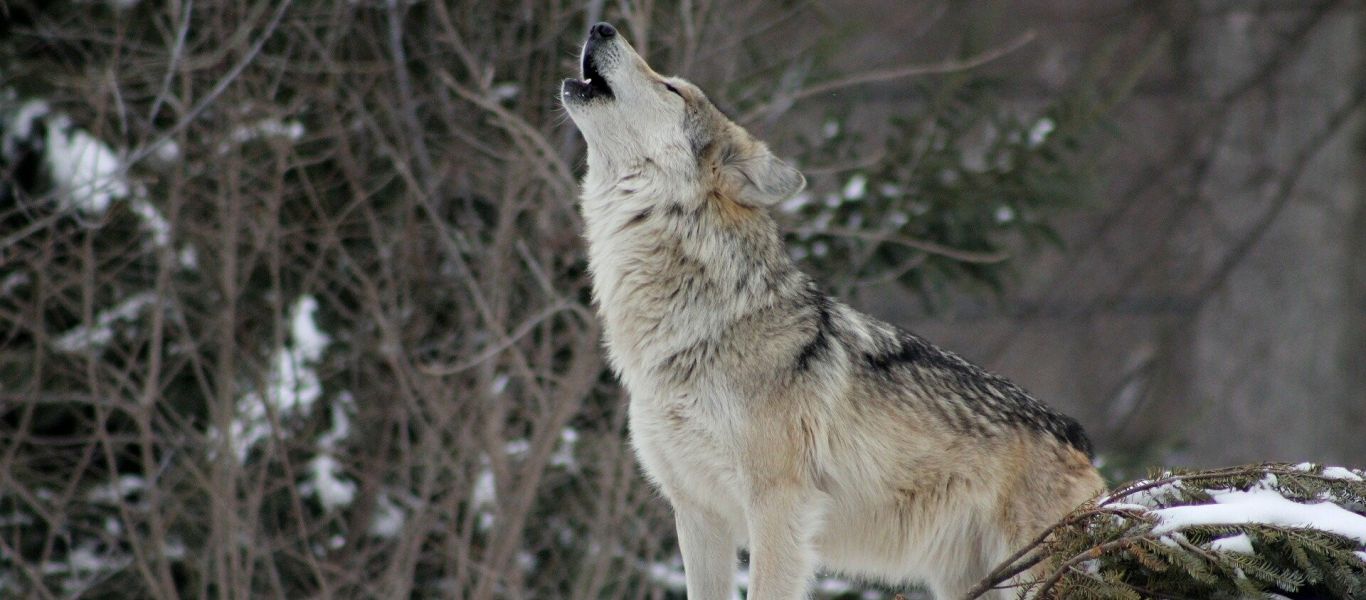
{"points": [[686, 444]]}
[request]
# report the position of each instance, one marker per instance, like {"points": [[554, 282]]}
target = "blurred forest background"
{"points": [[292, 295]]}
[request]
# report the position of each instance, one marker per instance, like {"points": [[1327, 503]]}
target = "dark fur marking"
{"points": [[637, 219], [979, 398], [1075, 436], [820, 342], [907, 349], [682, 365]]}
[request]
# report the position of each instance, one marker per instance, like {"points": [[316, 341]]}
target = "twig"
{"points": [[217, 90], [971, 256], [948, 66]]}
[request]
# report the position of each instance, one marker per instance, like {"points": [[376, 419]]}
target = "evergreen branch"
{"points": [[1126, 546]]}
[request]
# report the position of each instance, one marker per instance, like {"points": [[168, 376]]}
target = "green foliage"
{"points": [[961, 182], [1120, 548]]}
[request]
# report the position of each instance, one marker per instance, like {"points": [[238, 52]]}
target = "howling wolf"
{"points": [[771, 416]]}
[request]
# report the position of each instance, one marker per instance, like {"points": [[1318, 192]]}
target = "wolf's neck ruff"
{"points": [[675, 270]]}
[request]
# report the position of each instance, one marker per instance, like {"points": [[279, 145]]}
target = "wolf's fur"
{"points": [[770, 415]]}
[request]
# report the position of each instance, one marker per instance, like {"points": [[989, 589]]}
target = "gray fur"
{"points": [[772, 416]]}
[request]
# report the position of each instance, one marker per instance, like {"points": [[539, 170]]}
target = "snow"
{"points": [[795, 203], [856, 187], [1330, 472], [830, 129], [188, 258], [670, 576], [526, 561], [12, 281], [85, 338], [167, 151], [325, 474], [1004, 214], [505, 91], [500, 383], [822, 221], [517, 447], [85, 170], [389, 518], [16, 519], [341, 422], [83, 566], [116, 491], [485, 492], [87, 173], [84, 559], [174, 549], [485, 495], [1340, 473], [834, 587], [21, 123], [564, 454], [1127, 506], [1232, 507], [309, 340], [1039, 132], [1150, 497], [290, 130], [326, 483], [1240, 544], [152, 220], [292, 384]]}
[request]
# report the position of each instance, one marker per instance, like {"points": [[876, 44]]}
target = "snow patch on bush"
{"points": [[1238, 543], [87, 338], [86, 171], [292, 386], [1233, 507]]}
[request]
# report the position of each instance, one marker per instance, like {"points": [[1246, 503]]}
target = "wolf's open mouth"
{"points": [[597, 84], [594, 84]]}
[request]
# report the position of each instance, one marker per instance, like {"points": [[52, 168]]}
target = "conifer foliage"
{"points": [[1259, 531]]}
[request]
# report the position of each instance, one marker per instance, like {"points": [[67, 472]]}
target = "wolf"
{"points": [[771, 416]]}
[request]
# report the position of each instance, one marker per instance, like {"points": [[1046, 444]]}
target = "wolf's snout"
{"points": [[594, 84], [602, 31]]}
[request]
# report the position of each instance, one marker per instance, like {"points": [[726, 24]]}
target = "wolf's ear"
{"points": [[759, 178]]}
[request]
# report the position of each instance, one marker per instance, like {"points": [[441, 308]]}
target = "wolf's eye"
{"points": [[671, 88]]}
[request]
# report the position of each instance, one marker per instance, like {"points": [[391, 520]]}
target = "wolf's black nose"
{"points": [[602, 31]]}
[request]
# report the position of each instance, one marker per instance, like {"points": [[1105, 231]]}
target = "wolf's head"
{"points": [[632, 116]]}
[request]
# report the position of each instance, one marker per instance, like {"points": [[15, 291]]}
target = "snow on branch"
{"points": [[1240, 532]]}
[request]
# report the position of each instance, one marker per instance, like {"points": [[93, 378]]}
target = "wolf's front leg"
{"points": [[708, 546], [782, 522]]}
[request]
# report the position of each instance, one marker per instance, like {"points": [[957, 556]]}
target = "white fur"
{"points": [[704, 316]]}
